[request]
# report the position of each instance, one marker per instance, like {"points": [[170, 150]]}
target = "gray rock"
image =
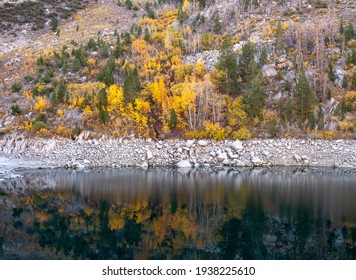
{"points": [[184, 164], [237, 145], [202, 143], [297, 157], [226, 162], [221, 157], [189, 143], [149, 155], [269, 71], [256, 161]]}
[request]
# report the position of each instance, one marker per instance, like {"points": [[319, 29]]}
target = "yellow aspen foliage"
{"points": [[41, 105], [213, 131], [236, 116], [185, 4], [285, 25], [141, 51], [91, 61], [199, 67], [63, 131], [350, 99], [242, 134], [59, 113], [183, 103], [115, 98], [27, 125], [27, 94], [160, 95], [167, 41]]}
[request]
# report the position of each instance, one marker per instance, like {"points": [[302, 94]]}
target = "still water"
{"points": [[179, 214]]}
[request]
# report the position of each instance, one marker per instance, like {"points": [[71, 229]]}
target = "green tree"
{"points": [[102, 106], [217, 23], [349, 32], [247, 55], [353, 81], [118, 52], [202, 4], [53, 24], [304, 98], [279, 44], [227, 64], [254, 93], [263, 56], [132, 86], [331, 72]]}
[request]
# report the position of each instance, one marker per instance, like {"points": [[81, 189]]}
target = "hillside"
{"points": [[233, 69]]}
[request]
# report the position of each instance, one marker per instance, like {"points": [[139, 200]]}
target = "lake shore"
{"points": [[17, 151]]}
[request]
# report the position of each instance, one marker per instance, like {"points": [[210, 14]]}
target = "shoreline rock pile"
{"points": [[118, 152]]}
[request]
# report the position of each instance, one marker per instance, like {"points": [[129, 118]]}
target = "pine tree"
{"points": [[304, 98], [217, 23], [102, 106], [131, 86], [331, 72], [202, 4], [254, 93], [263, 56], [227, 63], [341, 29], [353, 81], [247, 55], [349, 32], [279, 44], [118, 52], [54, 24]]}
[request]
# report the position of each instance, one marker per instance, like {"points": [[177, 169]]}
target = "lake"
{"points": [[163, 213]]}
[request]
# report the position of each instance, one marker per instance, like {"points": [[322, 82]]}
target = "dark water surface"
{"points": [[179, 214]]}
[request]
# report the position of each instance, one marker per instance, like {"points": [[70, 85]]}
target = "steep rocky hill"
{"points": [[201, 69]]}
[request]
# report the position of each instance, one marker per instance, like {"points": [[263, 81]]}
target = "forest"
{"points": [[187, 69]]}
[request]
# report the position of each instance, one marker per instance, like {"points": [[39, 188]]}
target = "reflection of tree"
{"points": [[208, 223], [243, 237], [1, 244]]}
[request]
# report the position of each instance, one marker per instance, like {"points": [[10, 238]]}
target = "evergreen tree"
{"points": [[132, 86], [254, 93], [344, 82], [349, 32], [217, 23], [102, 106], [341, 29], [118, 52], [353, 81], [202, 4], [227, 63], [247, 55], [53, 24], [279, 44], [331, 72], [304, 98], [263, 56]]}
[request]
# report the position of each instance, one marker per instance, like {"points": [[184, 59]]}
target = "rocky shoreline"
{"points": [[17, 151]]}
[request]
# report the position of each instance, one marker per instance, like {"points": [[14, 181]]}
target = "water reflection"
{"points": [[176, 214]]}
